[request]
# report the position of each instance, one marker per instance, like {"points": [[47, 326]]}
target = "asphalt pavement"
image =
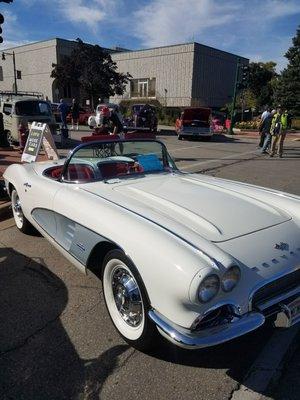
{"points": [[57, 341]]}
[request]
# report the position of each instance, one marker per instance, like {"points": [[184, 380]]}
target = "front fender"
{"points": [[166, 263]]}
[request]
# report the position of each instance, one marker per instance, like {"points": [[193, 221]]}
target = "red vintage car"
{"points": [[84, 115], [194, 122]]}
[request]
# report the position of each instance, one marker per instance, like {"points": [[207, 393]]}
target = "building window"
{"points": [[142, 87]]}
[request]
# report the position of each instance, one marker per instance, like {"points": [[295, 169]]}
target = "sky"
{"points": [[261, 30]]}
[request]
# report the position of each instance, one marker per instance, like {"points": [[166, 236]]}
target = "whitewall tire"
{"points": [[126, 300], [21, 221]]}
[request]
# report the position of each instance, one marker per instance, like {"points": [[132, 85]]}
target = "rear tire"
{"points": [[126, 301], [21, 221]]}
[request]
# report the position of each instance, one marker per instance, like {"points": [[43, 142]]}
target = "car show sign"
{"points": [[39, 134]]}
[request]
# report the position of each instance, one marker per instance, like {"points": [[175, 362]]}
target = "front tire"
{"points": [[21, 221], [10, 139], [126, 301]]}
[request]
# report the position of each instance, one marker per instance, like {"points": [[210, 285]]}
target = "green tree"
{"points": [[261, 81], [91, 69], [287, 89]]}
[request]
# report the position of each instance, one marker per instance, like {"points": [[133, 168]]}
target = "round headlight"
{"points": [[208, 288], [231, 278]]}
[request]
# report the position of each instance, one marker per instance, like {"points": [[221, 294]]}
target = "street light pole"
{"points": [[234, 95], [14, 64], [15, 72]]}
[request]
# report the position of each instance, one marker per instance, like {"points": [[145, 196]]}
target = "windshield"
{"points": [[115, 159], [33, 108]]}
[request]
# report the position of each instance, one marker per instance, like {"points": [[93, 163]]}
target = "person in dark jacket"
{"points": [[63, 109], [265, 131], [75, 114]]}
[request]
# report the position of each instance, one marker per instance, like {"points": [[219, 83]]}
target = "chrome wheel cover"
{"points": [[17, 210], [127, 297]]}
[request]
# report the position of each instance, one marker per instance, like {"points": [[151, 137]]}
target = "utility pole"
{"points": [[15, 72], [4, 53], [234, 96]]}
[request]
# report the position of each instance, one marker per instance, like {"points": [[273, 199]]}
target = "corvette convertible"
{"points": [[198, 259]]}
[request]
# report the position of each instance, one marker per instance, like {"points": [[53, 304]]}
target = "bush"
{"points": [[248, 124]]}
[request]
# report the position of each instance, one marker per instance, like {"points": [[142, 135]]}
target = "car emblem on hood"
{"points": [[281, 246]]}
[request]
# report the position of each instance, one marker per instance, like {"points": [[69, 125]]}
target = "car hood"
{"points": [[182, 203]]}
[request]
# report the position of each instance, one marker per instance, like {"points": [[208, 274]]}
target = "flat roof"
{"points": [[114, 51], [180, 44]]}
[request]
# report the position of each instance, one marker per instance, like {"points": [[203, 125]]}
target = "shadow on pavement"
{"points": [[37, 358], [235, 356], [166, 132]]}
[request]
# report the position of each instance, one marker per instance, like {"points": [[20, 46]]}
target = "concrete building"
{"points": [[34, 61], [188, 74]]}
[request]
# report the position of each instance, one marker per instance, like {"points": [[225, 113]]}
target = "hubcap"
{"points": [[127, 297], [18, 209]]}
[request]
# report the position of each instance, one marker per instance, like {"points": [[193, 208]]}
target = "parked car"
{"points": [[198, 259], [94, 121], [194, 122], [84, 115], [143, 117], [21, 109]]}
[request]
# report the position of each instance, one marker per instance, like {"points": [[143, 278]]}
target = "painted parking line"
{"points": [[267, 366], [219, 159]]}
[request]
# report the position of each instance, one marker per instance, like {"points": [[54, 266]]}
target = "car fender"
{"points": [[166, 263]]}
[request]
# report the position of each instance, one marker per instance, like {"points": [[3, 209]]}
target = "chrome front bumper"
{"points": [[207, 337]]}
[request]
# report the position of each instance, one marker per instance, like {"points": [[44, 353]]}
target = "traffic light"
{"points": [[244, 77], [1, 22]]}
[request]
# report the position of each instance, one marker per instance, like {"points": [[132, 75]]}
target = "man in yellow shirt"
{"points": [[278, 132]]}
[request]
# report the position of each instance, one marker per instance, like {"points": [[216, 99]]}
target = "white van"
{"points": [[17, 109]]}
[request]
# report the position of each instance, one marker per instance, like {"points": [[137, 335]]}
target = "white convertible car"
{"points": [[199, 259]]}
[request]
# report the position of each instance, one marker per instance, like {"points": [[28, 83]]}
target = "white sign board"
{"points": [[39, 134]]}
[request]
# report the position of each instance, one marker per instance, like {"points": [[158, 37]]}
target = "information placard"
{"points": [[34, 142], [39, 134]]}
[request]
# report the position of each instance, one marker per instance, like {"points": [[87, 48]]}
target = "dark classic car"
{"points": [[143, 117]]}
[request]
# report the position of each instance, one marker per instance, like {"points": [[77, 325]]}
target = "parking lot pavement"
{"points": [[57, 341]]}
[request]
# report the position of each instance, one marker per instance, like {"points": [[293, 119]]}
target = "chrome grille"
{"points": [[275, 288]]}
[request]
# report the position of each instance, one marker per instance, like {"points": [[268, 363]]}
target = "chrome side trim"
{"points": [[266, 281], [208, 337], [275, 300]]}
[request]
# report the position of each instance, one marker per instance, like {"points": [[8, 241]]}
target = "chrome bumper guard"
{"points": [[207, 337]]}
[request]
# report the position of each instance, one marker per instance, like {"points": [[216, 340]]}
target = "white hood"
{"points": [[185, 202]]}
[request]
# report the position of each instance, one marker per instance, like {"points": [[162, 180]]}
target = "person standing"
{"points": [[262, 134], [265, 114], [278, 132], [63, 109], [75, 114], [265, 130]]}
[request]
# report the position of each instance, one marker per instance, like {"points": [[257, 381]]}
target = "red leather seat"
{"points": [[80, 172], [56, 172], [109, 170]]}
